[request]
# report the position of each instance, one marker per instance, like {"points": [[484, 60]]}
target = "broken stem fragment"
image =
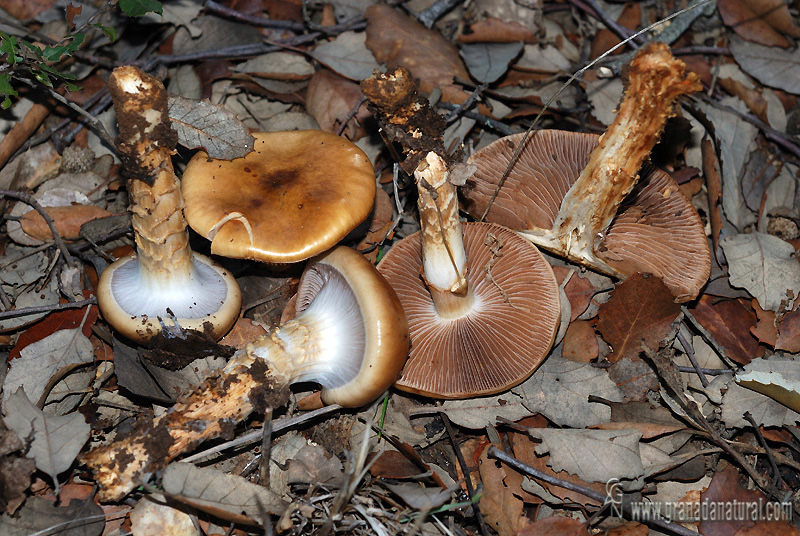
{"points": [[656, 80]]}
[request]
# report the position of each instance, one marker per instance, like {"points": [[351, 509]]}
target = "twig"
{"points": [[277, 427], [47, 308], [496, 453], [460, 108], [239, 51], [465, 470], [351, 114], [99, 128], [776, 473], [708, 337], [692, 358], [29, 200], [253, 20], [266, 449], [482, 119], [428, 17], [592, 8]]}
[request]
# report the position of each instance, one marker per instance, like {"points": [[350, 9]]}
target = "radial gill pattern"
{"points": [[506, 335]]}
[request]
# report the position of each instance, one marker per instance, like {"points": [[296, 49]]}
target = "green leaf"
{"points": [[137, 8], [33, 48], [8, 46], [55, 53], [6, 90], [110, 32], [44, 79]]}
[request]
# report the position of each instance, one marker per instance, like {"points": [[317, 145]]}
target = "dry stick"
{"points": [[99, 129], [47, 308], [776, 474], [592, 8], [708, 337], [23, 130], [495, 452], [692, 358], [29, 200], [465, 470], [575, 75], [669, 376]]}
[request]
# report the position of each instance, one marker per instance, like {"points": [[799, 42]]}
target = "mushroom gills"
{"points": [[142, 294], [326, 341]]}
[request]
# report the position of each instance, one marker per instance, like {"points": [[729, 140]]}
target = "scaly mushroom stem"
{"points": [[656, 80], [147, 142], [444, 261], [165, 279], [211, 411]]}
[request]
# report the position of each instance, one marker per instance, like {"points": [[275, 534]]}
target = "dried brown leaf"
{"points": [[641, 310], [729, 321], [68, 221], [398, 40], [725, 489], [789, 332], [761, 21], [500, 507], [765, 331], [556, 526], [330, 99], [580, 342]]}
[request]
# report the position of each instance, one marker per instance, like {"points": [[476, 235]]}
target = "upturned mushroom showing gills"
{"points": [[296, 195], [483, 304], [577, 194], [165, 280], [349, 335]]}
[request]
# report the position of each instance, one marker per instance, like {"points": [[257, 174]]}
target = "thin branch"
{"points": [[29, 200], [498, 454], [47, 308]]}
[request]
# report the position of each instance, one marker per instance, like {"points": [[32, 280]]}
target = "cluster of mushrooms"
{"points": [[478, 301]]}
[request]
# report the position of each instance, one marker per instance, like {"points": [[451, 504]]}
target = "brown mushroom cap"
{"points": [[656, 230], [296, 195], [505, 336]]}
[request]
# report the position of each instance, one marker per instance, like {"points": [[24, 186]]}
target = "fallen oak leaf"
{"points": [[641, 310]]}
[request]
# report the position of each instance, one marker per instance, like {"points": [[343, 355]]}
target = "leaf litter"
{"points": [[732, 360]]}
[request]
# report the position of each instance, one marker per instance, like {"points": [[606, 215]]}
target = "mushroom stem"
{"points": [[147, 142], [165, 277], [656, 80], [212, 410], [444, 261]]}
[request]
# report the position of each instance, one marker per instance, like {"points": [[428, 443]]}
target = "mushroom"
{"points": [[577, 194], [350, 336], [484, 310], [165, 280], [296, 195]]}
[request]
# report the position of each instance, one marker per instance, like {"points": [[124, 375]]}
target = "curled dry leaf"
{"points": [[560, 391], [330, 99], [765, 265], [228, 496]]}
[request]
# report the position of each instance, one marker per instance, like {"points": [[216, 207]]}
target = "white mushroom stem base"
{"points": [[656, 80], [136, 301], [212, 410]]}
